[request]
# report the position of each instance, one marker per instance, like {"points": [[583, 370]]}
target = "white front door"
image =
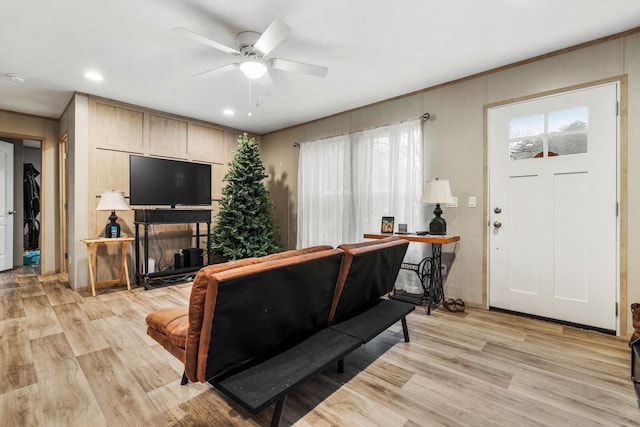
{"points": [[553, 246], [7, 211]]}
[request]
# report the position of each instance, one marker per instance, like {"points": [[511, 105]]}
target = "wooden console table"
{"points": [[429, 269], [92, 253]]}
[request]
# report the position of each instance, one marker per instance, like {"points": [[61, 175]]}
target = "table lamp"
{"points": [[437, 191], [112, 201]]}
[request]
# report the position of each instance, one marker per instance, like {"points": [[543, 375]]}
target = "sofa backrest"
{"points": [[368, 271], [199, 291], [253, 311], [294, 252]]}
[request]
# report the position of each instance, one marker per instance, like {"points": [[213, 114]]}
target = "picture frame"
{"points": [[387, 224]]}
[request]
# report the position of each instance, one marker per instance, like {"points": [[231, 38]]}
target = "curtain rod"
{"points": [[424, 118]]}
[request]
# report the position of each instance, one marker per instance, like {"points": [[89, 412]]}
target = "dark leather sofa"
{"points": [[258, 327]]}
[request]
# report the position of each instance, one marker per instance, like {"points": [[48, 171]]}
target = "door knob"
{"points": [[12, 212], [497, 224], [497, 210]]}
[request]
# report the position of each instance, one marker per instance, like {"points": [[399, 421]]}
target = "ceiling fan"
{"points": [[254, 49]]}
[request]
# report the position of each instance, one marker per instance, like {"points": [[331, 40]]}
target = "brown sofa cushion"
{"points": [[158, 331], [171, 322]]}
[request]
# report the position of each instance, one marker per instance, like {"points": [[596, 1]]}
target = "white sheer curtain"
{"points": [[346, 184], [324, 206]]}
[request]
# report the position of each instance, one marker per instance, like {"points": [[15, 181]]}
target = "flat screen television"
{"points": [[163, 182]]}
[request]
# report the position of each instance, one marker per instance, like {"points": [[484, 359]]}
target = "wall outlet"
{"points": [[443, 269]]}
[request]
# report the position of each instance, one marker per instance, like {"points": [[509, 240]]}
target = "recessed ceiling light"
{"points": [[228, 112], [92, 75], [17, 78]]}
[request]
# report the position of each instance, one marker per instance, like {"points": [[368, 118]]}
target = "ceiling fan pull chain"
{"points": [[250, 97]]}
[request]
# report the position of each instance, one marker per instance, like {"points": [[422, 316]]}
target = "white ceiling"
{"points": [[374, 49]]}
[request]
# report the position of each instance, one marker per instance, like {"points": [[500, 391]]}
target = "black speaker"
{"points": [[178, 261], [192, 257]]}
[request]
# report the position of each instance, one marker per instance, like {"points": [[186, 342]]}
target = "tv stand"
{"points": [[147, 217]]}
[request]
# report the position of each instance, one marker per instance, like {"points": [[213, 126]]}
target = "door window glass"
{"points": [[526, 148], [525, 136], [557, 133], [568, 131]]}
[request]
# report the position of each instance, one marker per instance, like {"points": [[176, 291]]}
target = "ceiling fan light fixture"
{"points": [[253, 69]]}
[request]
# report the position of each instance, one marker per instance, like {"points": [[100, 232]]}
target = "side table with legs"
{"points": [[429, 269], [92, 255]]}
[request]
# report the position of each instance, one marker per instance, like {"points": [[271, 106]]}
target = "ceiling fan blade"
{"points": [[267, 84], [219, 70], [299, 67], [205, 40], [273, 35]]}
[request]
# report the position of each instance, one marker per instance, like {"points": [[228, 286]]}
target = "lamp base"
{"points": [[438, 226], [112, 229]]}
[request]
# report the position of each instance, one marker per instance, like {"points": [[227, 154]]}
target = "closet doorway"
{"points": [[27, 168]]}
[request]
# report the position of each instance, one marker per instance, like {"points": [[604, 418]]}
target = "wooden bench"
{"points": [[258, 328]]}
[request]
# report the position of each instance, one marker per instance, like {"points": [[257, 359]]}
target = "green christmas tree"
{"points": [[245, 224]]}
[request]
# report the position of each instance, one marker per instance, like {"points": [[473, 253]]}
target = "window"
{"points": [[557, 133], [346, 184]]}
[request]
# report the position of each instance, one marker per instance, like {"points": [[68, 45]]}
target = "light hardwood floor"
{"points": [[69, 359]]}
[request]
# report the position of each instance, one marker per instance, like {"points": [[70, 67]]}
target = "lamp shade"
{"points": [[437, 191], [112, 201], [253, 69]]}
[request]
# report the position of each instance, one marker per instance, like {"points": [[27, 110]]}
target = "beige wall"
{"points": [[455, 148], [21, 126]]}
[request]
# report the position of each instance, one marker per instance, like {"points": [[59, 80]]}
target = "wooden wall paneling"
{"points": [[112, 171], [167, 137], [218, 172], [231, 143], [118, 130], [205, 144], [118, 127], [215, 208]]}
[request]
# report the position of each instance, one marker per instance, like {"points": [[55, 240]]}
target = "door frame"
{"points": [[9, 240], [18, 226], [63, 159], [621, 185]]}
